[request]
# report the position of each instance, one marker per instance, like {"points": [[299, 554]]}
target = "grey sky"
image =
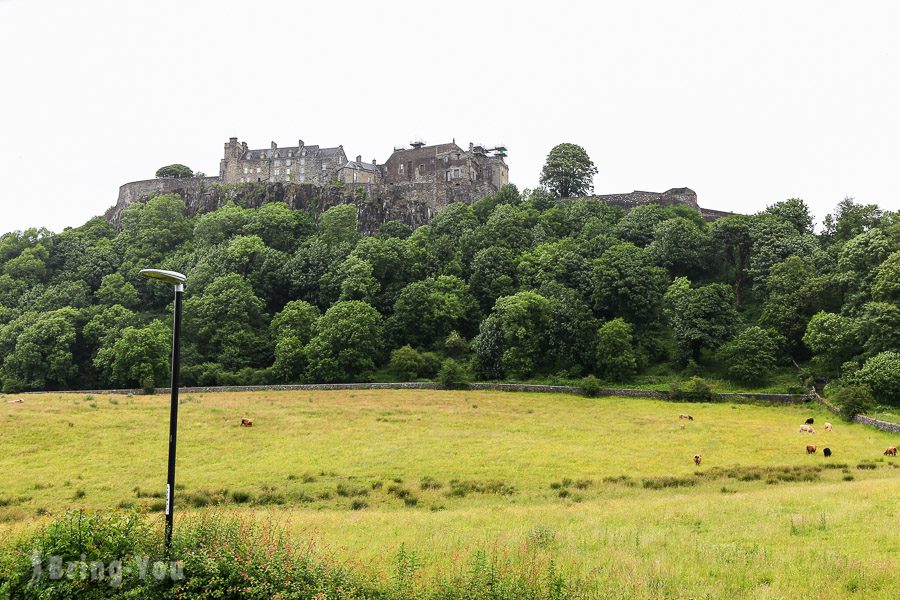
{"points": [[746, 103]]}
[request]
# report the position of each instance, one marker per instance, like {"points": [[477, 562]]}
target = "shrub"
{"points": [[452, 375], [854, 400], [882, 374], [590, 386], [407, 363], [699, 389]]}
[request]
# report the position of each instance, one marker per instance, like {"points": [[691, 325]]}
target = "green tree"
{"points": [[338, 225], [512, 338], [227, 321], [357, 282], [681, 246], [730, 236], [427, 311], [794, 296], [346, 345], [137, 356], [626, 283], [881, 374], [794, 211], [637, 226], [493, 275], [221, 225], [42, 358], [615, 351], [700, 317], [850, 219], [176, 171], [568, 171], [279, 226], [752, 355], [833, 339], [880, 327], [409, 364], [115, 289], [886, 287]]}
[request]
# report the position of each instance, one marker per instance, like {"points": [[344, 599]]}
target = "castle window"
{"points": [[455, 173], [258, 169], [288, 162], [401, 168], [277, 163], [278, 171], [290, 153], [246, 170]]}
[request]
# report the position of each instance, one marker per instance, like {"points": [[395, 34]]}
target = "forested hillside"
{"points": [[514, 286]]}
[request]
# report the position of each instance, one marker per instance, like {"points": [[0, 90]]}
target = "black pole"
{"points": [[173, 417]]}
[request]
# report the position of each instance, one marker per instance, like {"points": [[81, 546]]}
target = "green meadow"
{"points": [[602, 490]]}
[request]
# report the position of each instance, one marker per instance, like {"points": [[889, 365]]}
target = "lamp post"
{"points": [[177, 281]]}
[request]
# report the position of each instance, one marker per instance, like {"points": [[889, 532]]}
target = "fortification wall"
{"points": [[411, 203]]}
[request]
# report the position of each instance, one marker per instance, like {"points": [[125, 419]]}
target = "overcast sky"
{"points": [[746, 103]]}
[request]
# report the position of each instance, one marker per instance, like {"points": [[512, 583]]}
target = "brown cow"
{"points": [[682, 425], [246, 422], [697, 459], [807, 429], [892, 451], [827, 426], [688, 417], [810, 449]]}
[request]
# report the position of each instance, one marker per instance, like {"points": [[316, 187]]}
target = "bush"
{"points": [[452, 375], [219, 556], [854, 400], [699, 389], [456, 345], [590, 386], [406, 363], [881, 374]]}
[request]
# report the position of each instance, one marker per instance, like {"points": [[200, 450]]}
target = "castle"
{"points": [[411, 186], [439, 165]]}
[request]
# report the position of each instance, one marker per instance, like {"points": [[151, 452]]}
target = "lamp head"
{"points": [[171, 277]]}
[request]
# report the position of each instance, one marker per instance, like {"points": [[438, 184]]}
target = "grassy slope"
{"points": [[828, 536]]}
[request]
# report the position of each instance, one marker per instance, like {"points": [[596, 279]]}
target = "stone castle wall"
{"points": [[411, 203]]}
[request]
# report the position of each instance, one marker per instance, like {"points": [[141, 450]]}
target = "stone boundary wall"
{"points": [[878, 424], [862, 419], [500, 387]]}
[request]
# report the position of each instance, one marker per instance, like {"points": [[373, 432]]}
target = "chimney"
{"points": [[359, 158], [274, 145], [471, 145], [300, 143], [232, 140], [373, 162]]}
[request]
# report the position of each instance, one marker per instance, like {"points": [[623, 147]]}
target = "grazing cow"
{"points": [[826, 452], [697, 459], [246, 422], [892, 451], [809, 421], [682, 425], [810, 449], [827, 426], [807, 429], [688, 417]]}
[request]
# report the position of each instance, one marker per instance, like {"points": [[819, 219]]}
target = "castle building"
{"points": [[446, 163], [441, 165], [297, 164], [357, 171]]}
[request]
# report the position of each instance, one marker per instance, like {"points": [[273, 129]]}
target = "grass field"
{"points": [[604, 488]]}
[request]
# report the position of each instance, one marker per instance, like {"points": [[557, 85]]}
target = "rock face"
{"points": [[411, 203]]}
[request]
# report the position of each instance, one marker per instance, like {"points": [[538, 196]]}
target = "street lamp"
{"points": [[177, 281]]}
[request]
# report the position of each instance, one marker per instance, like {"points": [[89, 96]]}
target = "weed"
{"points": [[430, 483], [866, 466], [658, 483], [849, 477], [308, 478], [583, 484], [345, 491], [79, 494], [358, 504], [541, 536], [727, 490], [377, 485], [114, 401], [240, 497]]}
